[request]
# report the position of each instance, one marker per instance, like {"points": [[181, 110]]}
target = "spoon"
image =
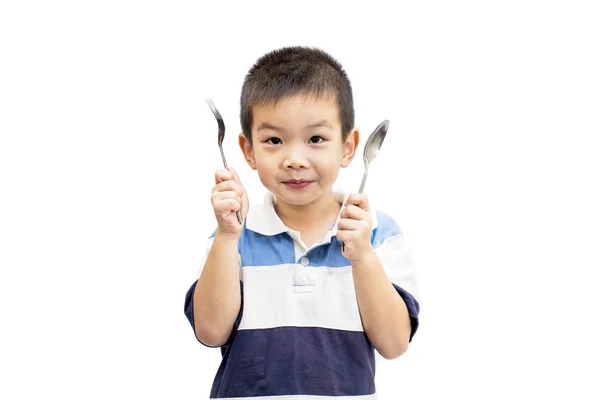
{"points": [[372, 148], [370, 152]]}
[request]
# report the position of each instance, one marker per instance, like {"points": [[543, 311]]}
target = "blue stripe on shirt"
{"points": [[386, 228], [260, 250]]}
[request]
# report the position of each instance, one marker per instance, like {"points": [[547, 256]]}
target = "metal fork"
{"points": [[221, 124]]}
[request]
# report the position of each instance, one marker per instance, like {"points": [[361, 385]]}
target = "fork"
{"points": [[221, 124]]}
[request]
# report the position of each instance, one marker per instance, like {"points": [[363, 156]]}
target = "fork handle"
{"points": [[223, 157], [237, 213]]}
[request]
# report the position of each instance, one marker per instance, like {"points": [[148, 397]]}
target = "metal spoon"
{"points": [[372, 148], [370, 152]]}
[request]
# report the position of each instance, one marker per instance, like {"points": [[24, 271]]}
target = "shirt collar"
{"points": [[264, 220]]}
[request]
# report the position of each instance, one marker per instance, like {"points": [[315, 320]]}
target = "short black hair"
{"points": [[289, 71]]}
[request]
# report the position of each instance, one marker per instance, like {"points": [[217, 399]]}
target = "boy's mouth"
{"points": [[297, 183]]}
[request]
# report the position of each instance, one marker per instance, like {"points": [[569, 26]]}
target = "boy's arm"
{"points": [[217, 298], [383, 312], [389, 313]]}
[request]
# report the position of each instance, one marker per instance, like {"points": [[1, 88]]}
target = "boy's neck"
{"points": [[308, 216]]}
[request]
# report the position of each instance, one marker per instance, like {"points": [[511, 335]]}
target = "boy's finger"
{"points": [[359, 200], [355, 212], [236, 177], [342, 235], [350, 225], [218, 196], [229, 185], [234, 173], [223, 175]]}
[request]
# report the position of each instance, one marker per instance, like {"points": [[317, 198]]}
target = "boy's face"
{"points": [[297, 147]]}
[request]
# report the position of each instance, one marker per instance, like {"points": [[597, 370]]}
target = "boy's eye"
{"points": [[273, 140], [316, 139]]}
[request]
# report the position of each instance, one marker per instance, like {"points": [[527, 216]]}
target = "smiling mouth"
{"points": [[297, 184]]}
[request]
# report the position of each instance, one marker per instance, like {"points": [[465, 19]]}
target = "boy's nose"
{"points": [[295, 159]]}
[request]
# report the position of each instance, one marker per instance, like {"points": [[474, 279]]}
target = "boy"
{"points": [[294, 312]]}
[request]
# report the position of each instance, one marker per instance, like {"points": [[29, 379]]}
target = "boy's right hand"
{"points": [[229, 196]]}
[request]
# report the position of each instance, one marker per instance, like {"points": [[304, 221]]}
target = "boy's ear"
{"points": [[350, 147], [247, 150]]}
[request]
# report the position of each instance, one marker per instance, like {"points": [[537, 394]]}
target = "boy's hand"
{"points": [[354, 228], [229, 196]]}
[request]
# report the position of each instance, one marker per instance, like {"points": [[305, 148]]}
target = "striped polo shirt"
{"points": [[299, 334]]}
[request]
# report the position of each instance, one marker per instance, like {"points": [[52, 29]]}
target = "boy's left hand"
{"points": [[354, 228]]}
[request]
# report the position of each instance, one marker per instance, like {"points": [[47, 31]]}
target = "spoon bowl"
{"points": [[372, 147]]}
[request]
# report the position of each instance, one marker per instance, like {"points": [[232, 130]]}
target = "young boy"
{"points": [[294, 313]]}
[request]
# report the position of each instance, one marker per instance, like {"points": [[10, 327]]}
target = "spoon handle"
{"points": [[364, 179], [362, 186]]}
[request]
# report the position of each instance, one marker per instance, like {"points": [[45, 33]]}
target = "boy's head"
{"points": [[292, 71], [298, 123]]}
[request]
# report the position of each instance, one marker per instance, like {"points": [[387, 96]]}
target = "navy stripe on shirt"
{"points": [[188, 309], [296, 361], [413, 309]]}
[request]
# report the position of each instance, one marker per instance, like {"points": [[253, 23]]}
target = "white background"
{"points": [[490, 166]]}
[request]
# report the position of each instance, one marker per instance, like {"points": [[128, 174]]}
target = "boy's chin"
{"points": [[295, 202], [297, 197]]}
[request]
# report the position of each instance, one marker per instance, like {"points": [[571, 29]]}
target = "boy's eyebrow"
{"points": [[266, 125], [319, 124]]}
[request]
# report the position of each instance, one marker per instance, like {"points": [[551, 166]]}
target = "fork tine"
{"points": [[217, 115], [212, 107]]}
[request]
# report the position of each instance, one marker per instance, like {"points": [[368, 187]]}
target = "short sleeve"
{"points": [[209, 243], [388, 242], [189, 296]]}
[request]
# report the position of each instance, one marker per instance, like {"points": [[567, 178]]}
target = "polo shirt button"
{"points": [[304, 261]]}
